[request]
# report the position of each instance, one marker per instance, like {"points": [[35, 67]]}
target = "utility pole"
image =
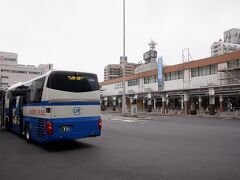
{"points": [[124, 74]]}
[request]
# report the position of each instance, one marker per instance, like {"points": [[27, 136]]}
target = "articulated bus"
{"points": [[59, 105]]}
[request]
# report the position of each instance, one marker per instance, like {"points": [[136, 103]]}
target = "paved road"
{"points": [[129, 148]]}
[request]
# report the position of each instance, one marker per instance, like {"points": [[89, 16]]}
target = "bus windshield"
{"points": [[73, 81]]}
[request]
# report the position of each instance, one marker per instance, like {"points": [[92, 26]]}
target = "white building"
{"points": [[208, 83], [112, 71], [232, 36], [221, 47], [230, 44], [11, 72]]}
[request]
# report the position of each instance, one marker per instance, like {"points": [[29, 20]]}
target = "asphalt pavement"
{"points": [[165, 147]]}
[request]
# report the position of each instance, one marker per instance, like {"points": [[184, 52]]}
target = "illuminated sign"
{"points": [[75, 78]]}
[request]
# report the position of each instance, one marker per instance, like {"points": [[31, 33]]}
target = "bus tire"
{"points": [[27, 133]]}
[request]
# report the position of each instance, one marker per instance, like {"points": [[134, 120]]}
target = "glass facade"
{"points": [[150, 79], [174, 75], [133, 82], [204, 70]]}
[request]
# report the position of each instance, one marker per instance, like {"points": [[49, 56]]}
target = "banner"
{"points": [[160, 73]]}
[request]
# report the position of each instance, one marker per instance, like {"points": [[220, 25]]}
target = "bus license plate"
{"points": [[65, 128]]}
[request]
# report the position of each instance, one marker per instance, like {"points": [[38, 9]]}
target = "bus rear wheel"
{"points": [[27, 133]]}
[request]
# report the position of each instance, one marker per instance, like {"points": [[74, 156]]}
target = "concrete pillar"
{"points": [[167, 104], [154, 103], [221, 103], [143, 104], [186, 102], [105, 103], [135, 99], [163, 103], [182, 104], [200, 103], [149, 102], [211, 105], [131, 100], [114, 103], [149, 105], [120, 104]]}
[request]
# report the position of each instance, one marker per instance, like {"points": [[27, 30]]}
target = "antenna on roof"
{"points": [[186, 56]]}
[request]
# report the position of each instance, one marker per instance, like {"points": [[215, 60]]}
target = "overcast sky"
{"points": [[86, 35]]}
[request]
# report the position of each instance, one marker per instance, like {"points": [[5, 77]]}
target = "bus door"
{"points": [[7, 111], [2, 113], [17, 116], [13, 112]]}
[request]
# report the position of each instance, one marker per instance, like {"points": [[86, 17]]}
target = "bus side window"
{"points": [[37, 90]]}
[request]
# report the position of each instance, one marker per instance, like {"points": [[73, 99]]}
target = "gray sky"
{"points": [[86, 35]]}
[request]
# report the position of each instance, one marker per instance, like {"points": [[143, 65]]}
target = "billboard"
{"points": [[160, 73], [8, 58]]}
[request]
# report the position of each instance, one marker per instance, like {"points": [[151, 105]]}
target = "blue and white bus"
{"points": [[59, 105]]}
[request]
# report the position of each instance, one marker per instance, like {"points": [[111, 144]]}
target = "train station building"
{"points": [[208, 85]]}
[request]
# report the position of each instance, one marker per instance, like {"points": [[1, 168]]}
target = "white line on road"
{"points": [[123, 119]]}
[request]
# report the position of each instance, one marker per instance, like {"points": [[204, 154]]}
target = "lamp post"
{"points": [[124, 95]]}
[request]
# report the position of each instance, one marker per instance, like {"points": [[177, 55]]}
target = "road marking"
{"points": [[123, 119]]}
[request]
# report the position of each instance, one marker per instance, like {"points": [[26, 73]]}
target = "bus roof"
{"points": [[44, 75]]}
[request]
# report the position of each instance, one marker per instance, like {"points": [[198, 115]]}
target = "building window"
{"points": [[174, 75], [180, 74], [133, 82], [16, 71], [150, 79], [4, 84], [4, 77], [234, 63], [194, 72], [213, 69], [204, 70], [168, 77]]}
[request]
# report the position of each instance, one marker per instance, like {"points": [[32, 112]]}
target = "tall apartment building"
{"points": [[129, 69], [11, 72], [230, 44], [113, 71]]}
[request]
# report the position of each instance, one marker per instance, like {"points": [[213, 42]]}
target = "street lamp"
{"points": [[124, 95]]}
